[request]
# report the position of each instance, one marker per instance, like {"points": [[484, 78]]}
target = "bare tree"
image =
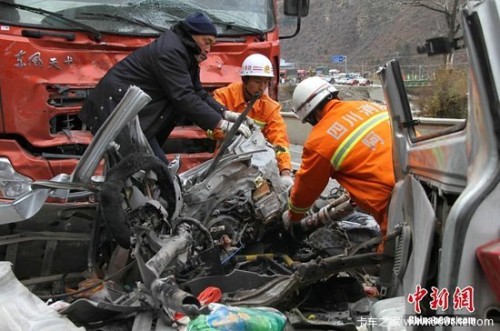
{"points": [[449, 9]]}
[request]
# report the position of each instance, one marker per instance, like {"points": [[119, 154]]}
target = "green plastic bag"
{"points": [[228, 318]]}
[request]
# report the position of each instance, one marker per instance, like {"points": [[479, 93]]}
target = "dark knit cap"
{"points": [[199, 23]]}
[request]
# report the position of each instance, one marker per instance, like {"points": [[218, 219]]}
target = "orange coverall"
{"points": [[352, 143], [265, 113]]}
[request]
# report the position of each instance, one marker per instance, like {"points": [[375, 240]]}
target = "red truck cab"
{"points": [[54, 52]]}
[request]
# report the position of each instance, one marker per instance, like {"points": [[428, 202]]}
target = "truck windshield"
{"points": [[136, 17]]}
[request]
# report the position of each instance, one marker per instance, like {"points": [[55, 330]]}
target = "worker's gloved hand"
{"points": [[286, 180], [294, 228], [223, 129], [285, 218], [226, 126], [232, 116]]}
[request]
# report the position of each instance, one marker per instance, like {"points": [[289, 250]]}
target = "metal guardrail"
{"points": [[297, 131], [416, 82]]}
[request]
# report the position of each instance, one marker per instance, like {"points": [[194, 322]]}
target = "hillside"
{"points": [[368, 32]]}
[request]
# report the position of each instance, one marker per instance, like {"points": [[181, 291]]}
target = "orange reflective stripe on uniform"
{"points": [[281, 150], [297, 210], [260, 124], [354, 137]]}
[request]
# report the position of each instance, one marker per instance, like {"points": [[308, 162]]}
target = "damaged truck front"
{"points": [[146, 253], [136, 248], [54, 53]]}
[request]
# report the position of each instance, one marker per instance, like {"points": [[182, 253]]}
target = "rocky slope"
{"points": [[368, 32]]}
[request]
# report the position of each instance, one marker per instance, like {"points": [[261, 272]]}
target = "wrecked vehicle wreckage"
{"points": [[137, 247]]}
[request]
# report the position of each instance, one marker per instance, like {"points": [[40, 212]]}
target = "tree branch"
{"points": [[442, 11]]}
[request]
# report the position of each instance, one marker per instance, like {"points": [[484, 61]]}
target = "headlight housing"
{"points": [[12, 183]]}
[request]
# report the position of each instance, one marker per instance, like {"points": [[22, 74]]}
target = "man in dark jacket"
{"points": [[168, 71]]}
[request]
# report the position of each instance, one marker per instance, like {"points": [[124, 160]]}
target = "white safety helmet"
{"points": [[309, 94], [257, 65]]}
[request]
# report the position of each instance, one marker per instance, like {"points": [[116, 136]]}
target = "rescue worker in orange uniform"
{"points": [[351, 142], [256, 74]]}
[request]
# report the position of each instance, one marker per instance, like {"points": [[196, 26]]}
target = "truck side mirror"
{"points": [[440, 45], [297, 8], [294, 7]]}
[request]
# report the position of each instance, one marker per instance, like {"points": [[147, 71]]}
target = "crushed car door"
{"points": [[427, 171], [447, 190]]}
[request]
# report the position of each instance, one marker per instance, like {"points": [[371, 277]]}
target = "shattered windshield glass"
{"points": [[232, 17]]}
